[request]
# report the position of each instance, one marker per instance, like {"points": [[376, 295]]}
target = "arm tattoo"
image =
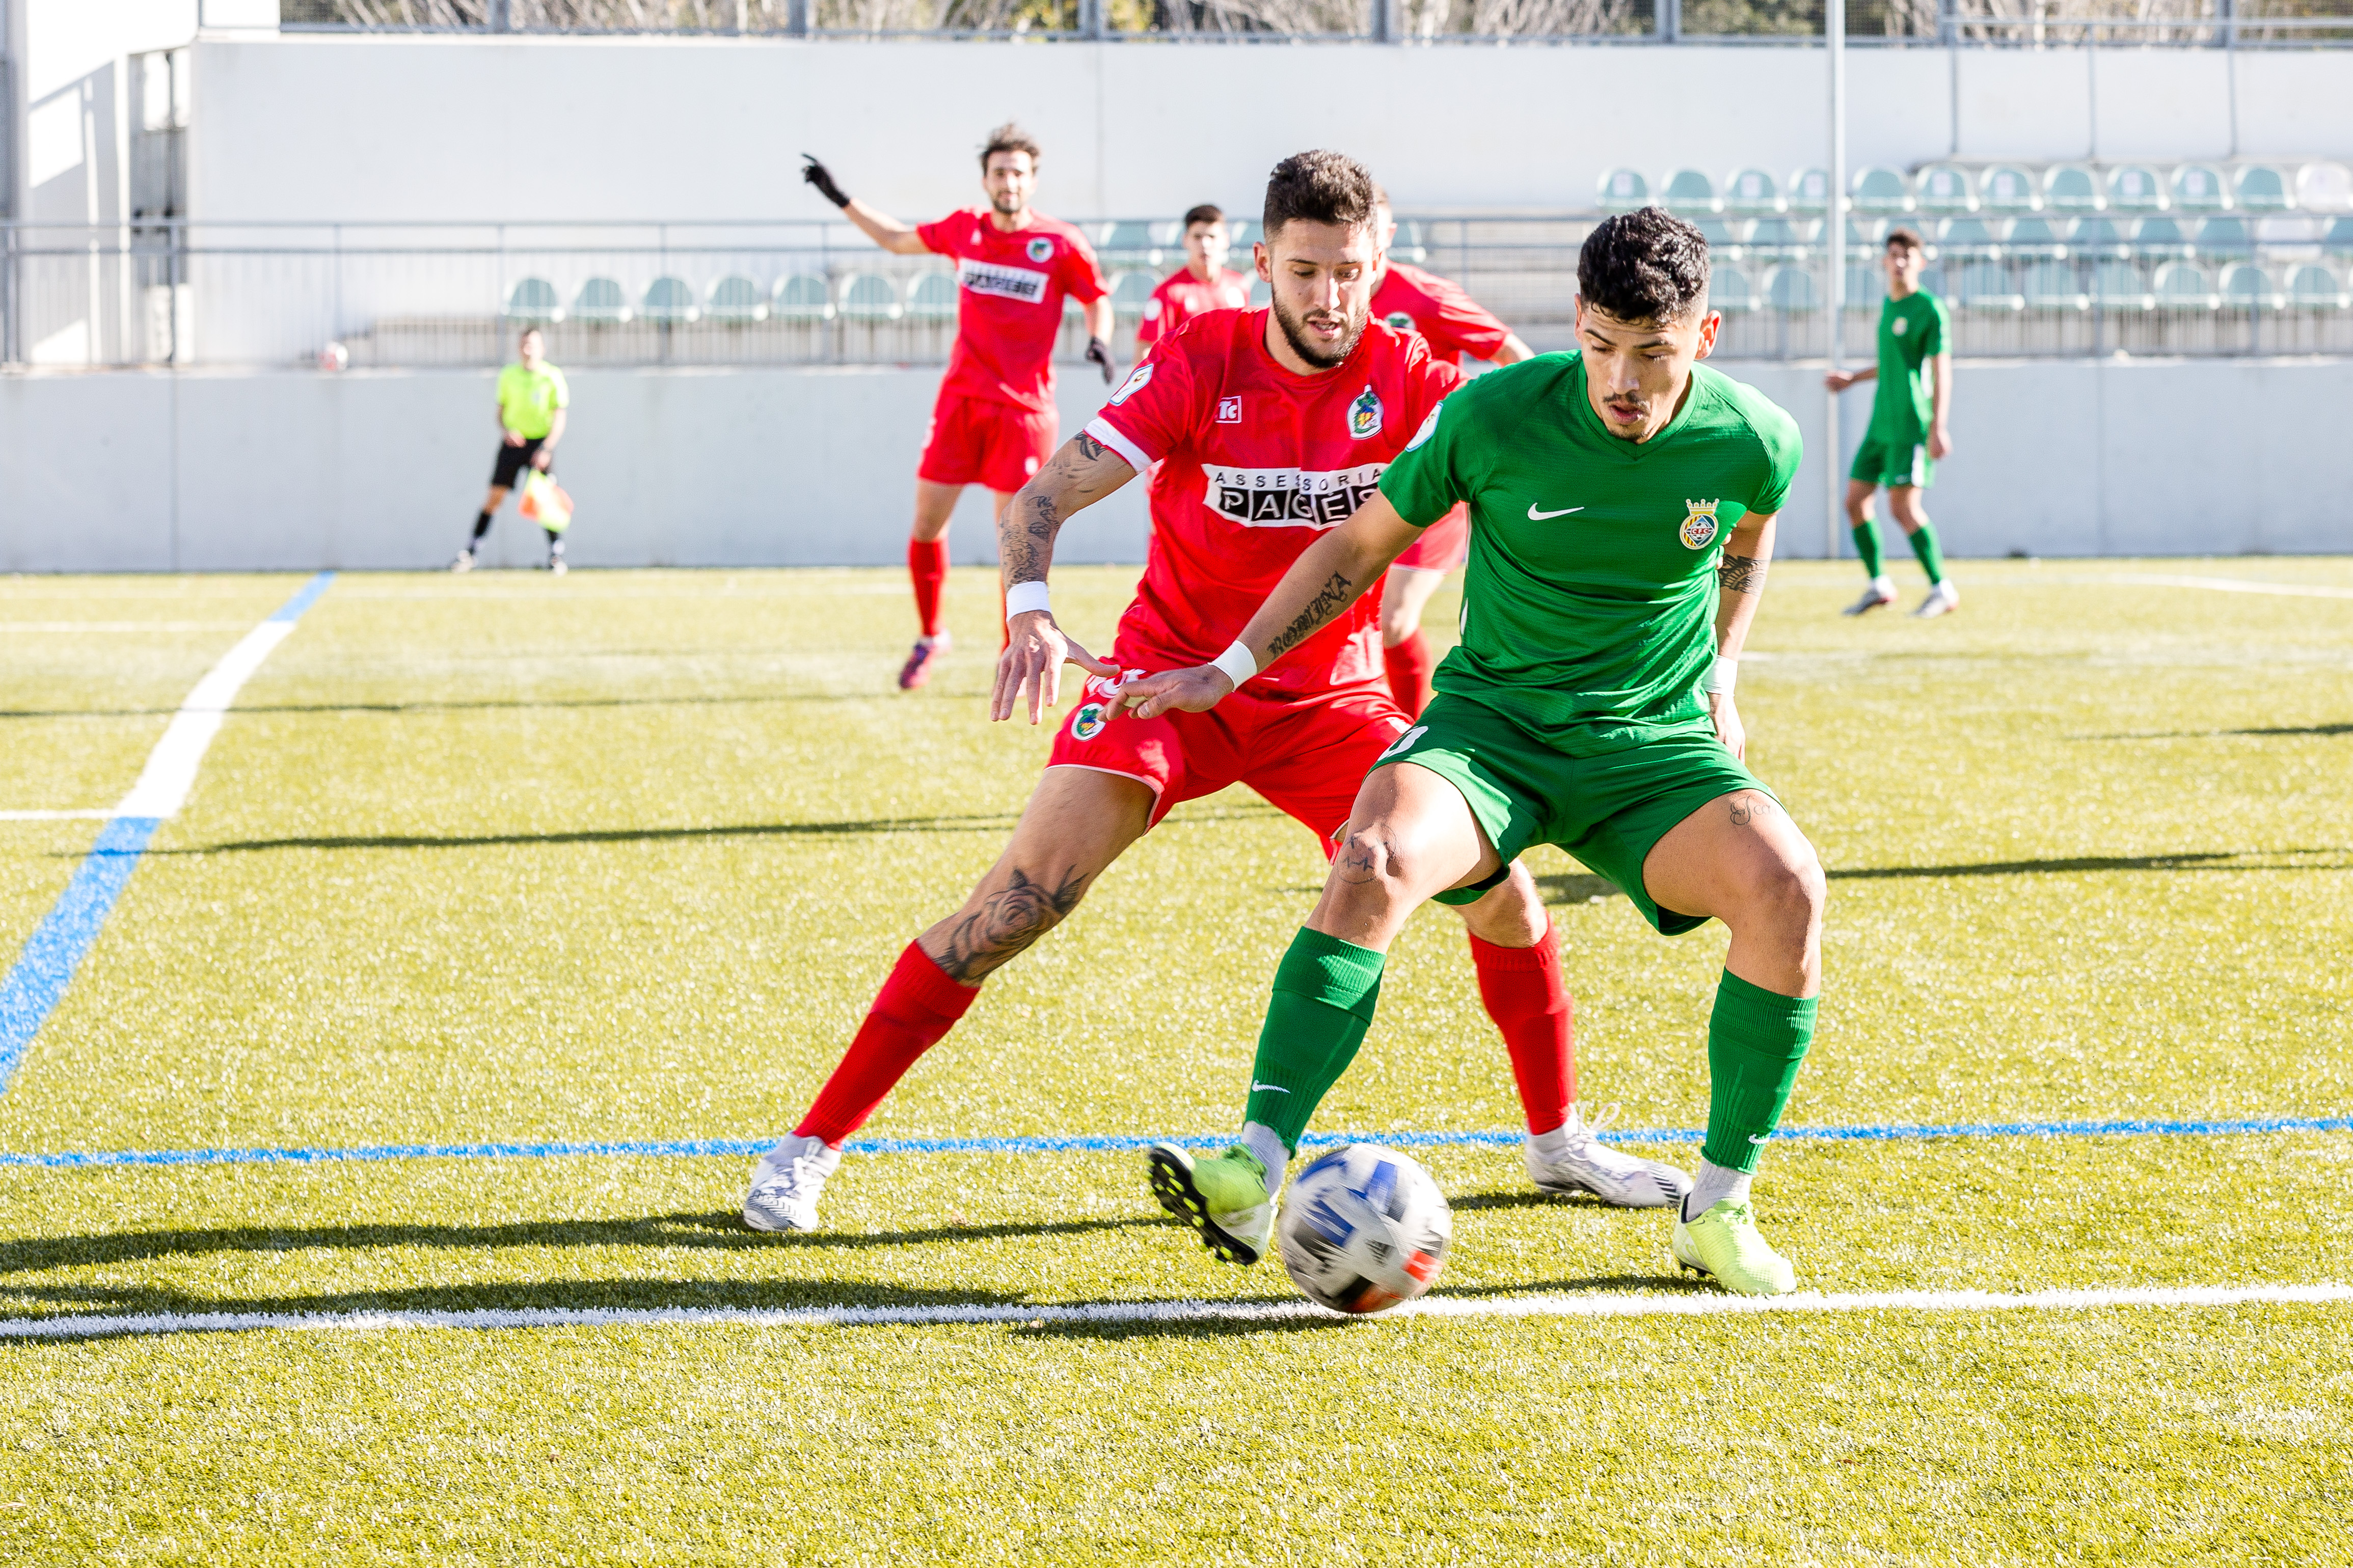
{"points": [[1740, 575], [1747, 808], [1007, 922], [1089, 448], [1329, 601], [1027, 546]]}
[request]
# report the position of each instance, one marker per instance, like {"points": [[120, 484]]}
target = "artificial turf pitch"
{"points": [[623, 856]]}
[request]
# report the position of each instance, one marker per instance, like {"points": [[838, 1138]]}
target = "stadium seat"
{"points": [[1729, 291], [1810, 191], [737, 301], [1866, 232], [2182, 286], [1241, 233], [1866, 286], [1623, 190], [2247, 286], [1723, 238], [2325, 188], [2263, 188], [2006, 188], [2135, 189], [2034, 237], [601, 303], [1127, 245], [2224, 236], [2055, 286], [1883, 193], [2339, 240], [803, 297], [2314, 288], [1986, 285], [2198, 188], [535, 302], [2119, 285], [1775, 238], [2097, 237], [1934, 281], [1752, 192], [933, 297], [1690, 190], [1407, 246], [2158, 236], [867, 297], [1947, 188], [2071, 188], [670, 302], [1966, 237], [1790, 289], [1130, 292], [1261, 293]]}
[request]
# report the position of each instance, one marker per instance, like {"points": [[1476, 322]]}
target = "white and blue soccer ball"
{"points": [[1364, 1228]]}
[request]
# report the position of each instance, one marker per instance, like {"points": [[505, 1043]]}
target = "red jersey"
{"points": [[1181, 296], [1254, 463], [1413, 300], [1009, 291]]}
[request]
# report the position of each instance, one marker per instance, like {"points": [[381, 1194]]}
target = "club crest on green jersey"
{"points": [[1699, 529], [1088, 722], [1365, 415]]}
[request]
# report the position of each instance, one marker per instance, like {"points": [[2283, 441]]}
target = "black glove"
{"points": [[818, 175], [1099, 351]]}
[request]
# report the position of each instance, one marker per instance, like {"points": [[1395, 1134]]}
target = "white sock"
{"points": [[1884, 583], [1712, 1185], [1568, 1135], [1267, 1143]]}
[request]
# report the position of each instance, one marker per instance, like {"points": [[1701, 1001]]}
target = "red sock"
{"points": [[917, 1005], [1409, 667], [927, 563], [1525, 994]]}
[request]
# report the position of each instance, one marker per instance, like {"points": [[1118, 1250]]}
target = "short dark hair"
{"points": [[1207, 212], [1010, 138], [1318, 187], [1643, 266], [1909, 238]]}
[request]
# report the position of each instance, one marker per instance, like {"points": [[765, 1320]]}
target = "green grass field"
{"points": [[623, 856]]}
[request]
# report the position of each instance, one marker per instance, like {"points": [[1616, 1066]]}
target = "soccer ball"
{"points": [[1363, 1229]]}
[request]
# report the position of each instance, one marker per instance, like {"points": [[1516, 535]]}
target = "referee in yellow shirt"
{"points": [[532, 400]]}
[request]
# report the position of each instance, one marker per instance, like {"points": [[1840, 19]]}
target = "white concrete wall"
{"points": [[288, 470]]}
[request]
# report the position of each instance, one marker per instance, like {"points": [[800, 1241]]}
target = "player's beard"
{"points": [[1295, 332], [1009, 205]]}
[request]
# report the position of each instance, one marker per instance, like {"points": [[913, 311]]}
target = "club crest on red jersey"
{"points": [[1399, 319], [1365, 415], [1699, 528], [1041, 249], [1229, 410]]}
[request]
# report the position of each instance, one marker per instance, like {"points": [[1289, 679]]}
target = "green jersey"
{"points": [[1912, 331], [528, 399], [1588, 611]]}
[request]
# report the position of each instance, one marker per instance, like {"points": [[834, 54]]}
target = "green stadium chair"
{"points": [[1689, 191], [1723, 238], [1881, 192], [1242, 232], [1986, 286], [2034, 237], [2006, 188], [1965, 237], [2198, 188], [1127, 245], [2119, 287], [2221, 238], [1623, 190], [1407, 246], [2158, 239], [1866, 232], [2247, 286], [1754, 193], [670, 302], [867, 296], [2263, 188], [2055, 286], [2325, 188], [2135, 189], [1261, 293], [2338, 239], [533, 301], [803, 297], [1946, 188], [1775, 238], [2098, 236], [736, 303], [2071, 188], [2182, 286], [602, 303], [1866, 286], [1790, 290], [933, 299], [1810, 191], [2313, 287], [1130, 292], [1729, 291]]}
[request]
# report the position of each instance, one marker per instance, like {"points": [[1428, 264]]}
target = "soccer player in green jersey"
{"points": [[1622, 499], [1909, 426]]}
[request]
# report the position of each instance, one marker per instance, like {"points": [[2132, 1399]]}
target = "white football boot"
{"points": [[786, 1182], [1573, 1161], [1881, 592], [1941, 600]]}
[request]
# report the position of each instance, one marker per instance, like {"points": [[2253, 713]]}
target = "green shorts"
{"points": [[1608, 811], [1882, 461]]}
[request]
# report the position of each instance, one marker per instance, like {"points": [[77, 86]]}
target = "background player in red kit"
{"points": [[1201, 284], [1267, 428], [1454, 325], [995, 422]]}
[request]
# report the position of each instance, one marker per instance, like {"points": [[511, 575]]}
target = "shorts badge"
{"points": [[1089, 721], [1041, 249], [1365, 415], [1699, 529]]}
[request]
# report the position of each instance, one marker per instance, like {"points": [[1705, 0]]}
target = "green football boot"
{"points": [[1724, 1242], [1224, 1197]]}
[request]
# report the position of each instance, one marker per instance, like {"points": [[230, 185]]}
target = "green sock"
{"points": [[1866, 544], [1325, 991], [1755, 1041], [1931, 553]]}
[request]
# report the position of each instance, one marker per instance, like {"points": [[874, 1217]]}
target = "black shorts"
{"points": [[512, 461]]}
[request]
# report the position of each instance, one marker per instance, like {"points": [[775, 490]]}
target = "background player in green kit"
{"points": [[1621, 500], [1909, 429]]}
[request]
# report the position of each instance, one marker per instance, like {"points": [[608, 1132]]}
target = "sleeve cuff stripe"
{"points": [[1101, 430]]}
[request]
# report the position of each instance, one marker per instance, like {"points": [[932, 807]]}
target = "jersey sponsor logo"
{"points": [[1535, 516], [1365, 415], [1288, 498], [1399, 320], [1229, 410], [1134, 383], [1089, 721], [1000, 281], [1040, 249], [1402, 741], [1699, 527], [1429, 428]]}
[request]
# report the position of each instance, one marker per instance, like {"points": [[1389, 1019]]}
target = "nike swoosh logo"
{"points": [[1535, 516], [1270, 1088]]}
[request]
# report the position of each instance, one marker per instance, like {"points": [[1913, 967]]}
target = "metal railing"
{"points": [[813, 293]]}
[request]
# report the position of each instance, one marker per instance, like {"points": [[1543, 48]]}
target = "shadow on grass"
{"points": [[2201, 860], [993, 822], [2272, 730], [1576, 887]]}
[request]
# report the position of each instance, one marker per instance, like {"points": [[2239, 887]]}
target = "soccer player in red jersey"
{"points": [[994, 422], [1454, 325], [1201, 284], [1261, 431]]}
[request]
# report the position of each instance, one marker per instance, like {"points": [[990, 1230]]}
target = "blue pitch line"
{"points": [[45, 967], [1090, 1144]]}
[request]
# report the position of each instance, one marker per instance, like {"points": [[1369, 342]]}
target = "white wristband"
{"points": [[1023, 598], [1238, 663], [1720, 676]]}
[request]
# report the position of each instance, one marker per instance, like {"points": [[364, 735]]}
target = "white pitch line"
{"points": [[1115, 1313], [2221, 585]]}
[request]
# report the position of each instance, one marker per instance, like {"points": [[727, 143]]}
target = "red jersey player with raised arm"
{"points": [[1454, 325], [1202, 284], [995, 422], [1267, 428]]}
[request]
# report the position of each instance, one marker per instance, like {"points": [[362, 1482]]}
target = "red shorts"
{"points": [[980, 441], [1443, 545], [1306, 752]]}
